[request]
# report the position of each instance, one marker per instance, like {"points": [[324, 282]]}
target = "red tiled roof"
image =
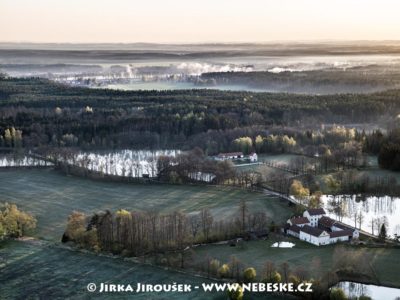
{"points": [[299, 220], [326, 221], [295, 228], [316, 211], [344, 227], [314, 231], [340, 233]]}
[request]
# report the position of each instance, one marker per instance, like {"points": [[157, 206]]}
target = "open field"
{"points": [[256, 253], [279, 159], [51, 197], [373, 173], [47, 271], [30, 271], [376, 172], [385, 262]]}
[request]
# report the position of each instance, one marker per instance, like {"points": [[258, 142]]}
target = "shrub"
{"points": [[276, 277], [214, 266], [223, 271], [337, 294], [236, 294], [249, 274]]}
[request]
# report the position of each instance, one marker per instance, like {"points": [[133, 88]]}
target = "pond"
{"points": [[354, 290], [130, 163], [365, 212], [8, 161]]}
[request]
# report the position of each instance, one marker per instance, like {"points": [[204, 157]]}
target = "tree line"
{"points": [[142, 233], [54, 115]]}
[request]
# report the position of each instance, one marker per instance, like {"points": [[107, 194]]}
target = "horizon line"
{"points": [[209, 42]]}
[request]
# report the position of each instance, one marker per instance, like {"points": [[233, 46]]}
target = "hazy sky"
{"points": [[168, 21]]}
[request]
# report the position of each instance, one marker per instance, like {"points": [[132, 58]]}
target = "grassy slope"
{"points": [[58, 273], [385, 262], [256, 253], [51, 197], [373, 171], [52, 273]]}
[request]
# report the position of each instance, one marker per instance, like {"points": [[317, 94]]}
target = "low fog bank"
{"points": [[327, 68]]}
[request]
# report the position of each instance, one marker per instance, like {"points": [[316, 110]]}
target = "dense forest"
{"points": [[44, 113], [360, 79]]}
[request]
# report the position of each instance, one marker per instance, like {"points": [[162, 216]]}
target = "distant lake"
{"points": [[354, 290], [374, 211]]}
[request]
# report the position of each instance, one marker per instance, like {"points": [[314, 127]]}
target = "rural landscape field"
{"points": [[200, 150]]}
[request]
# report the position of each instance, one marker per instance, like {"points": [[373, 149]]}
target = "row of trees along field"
{"points": [[14, 223], [140, 233], [50, 114], [345, 261]]}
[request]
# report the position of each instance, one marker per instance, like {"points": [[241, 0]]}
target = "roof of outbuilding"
{"points": [[314, 231], [340, 233], [316, 211], [344, 227], [299, 220], [326, 221], [295, 228]]}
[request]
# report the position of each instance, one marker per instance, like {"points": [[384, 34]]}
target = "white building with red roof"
{"points": [[316, 228]]}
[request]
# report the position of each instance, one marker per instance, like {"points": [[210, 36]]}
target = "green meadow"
{"points": [[51, 197]]}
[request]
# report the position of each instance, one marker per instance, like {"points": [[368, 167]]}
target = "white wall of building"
{"points": [[323, 239], [313, 219], [339, 239], [292, 233]]}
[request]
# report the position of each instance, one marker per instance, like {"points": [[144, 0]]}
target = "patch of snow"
{"points": [[283, 245]]}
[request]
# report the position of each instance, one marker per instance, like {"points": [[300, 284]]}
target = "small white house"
{"points": [[253, 157], [314, 214]]}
